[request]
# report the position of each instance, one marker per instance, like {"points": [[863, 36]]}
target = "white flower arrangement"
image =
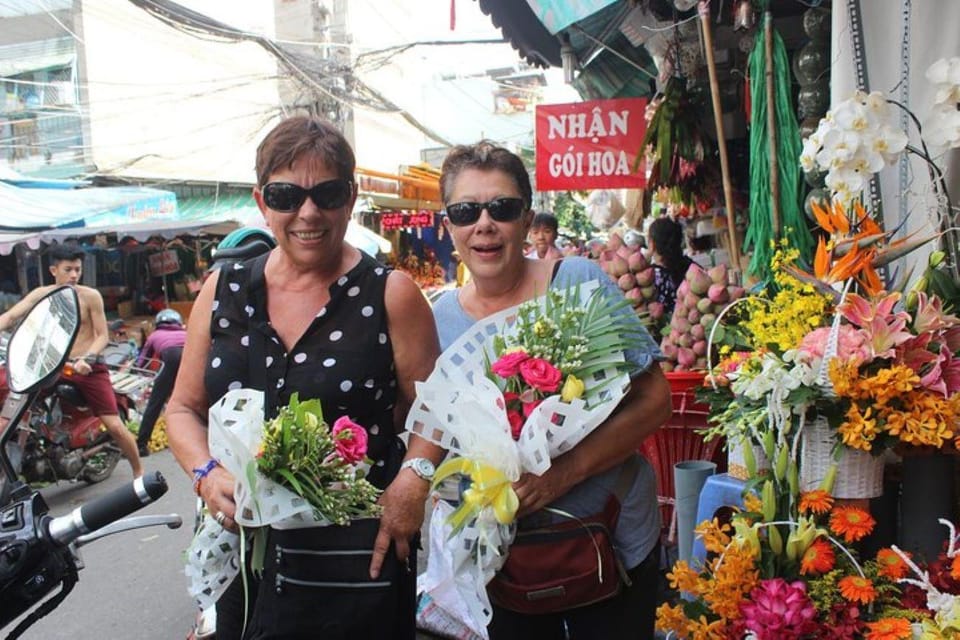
{"points": [[855, 139], [859, 136]]}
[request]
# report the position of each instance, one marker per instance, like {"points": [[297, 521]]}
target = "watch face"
{"points": [[422, 467]]}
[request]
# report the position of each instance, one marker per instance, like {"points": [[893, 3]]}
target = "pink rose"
{"points": [[516, 423], [349, 439], [540, 374], [509, 363]]}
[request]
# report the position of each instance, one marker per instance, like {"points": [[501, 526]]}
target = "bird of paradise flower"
{"points": [[855, 247]]}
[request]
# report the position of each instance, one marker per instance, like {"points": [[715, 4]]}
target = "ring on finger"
{"points": [[220, 517]]}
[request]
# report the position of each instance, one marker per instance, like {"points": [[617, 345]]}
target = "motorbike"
{"points": [[39, 552], [64, 440]]}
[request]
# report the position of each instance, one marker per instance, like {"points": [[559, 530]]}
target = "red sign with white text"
{"points": [[390, 220], [590, 145]]}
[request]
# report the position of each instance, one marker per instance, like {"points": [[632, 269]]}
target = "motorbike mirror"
{"points": [[41, 343]]}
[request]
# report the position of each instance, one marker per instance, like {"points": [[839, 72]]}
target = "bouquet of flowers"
{"points": [[760, 393], [517, 389], [900, 378], [785, 569], [292, 471], [301, 452]]}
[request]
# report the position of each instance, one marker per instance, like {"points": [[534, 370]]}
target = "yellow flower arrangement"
{"points": [[795, 309]]}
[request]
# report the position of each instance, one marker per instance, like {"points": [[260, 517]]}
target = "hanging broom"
{"points": [[775, 206]]}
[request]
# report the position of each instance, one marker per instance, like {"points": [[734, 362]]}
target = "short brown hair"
{"points": [[485, 156], [299, 136]]}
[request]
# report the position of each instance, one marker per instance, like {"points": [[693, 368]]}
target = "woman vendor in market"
{"points": [[665, 240]]}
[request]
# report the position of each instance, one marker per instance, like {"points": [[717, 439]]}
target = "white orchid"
{"points": [[857, 138], [945, 76], [942, 128]]}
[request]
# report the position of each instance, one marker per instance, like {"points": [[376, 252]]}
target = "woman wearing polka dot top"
{"points": [[328, 322]]}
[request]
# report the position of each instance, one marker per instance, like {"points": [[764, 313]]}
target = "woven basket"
{"points": [[859, 474], [737, 466]]}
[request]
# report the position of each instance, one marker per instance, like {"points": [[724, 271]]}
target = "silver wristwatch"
{"points": [[421, 466]]}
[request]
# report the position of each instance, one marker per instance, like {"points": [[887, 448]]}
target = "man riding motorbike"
{"points": [[90, 375]]}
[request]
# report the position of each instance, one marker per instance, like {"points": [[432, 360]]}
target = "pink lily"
{"points": [[944, 376], [930, 316], [861, 312], [951, 338], [883, 338], [951, 373]]}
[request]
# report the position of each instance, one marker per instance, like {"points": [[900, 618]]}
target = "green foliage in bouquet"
{"points": [[574, 338], [300, 452]]}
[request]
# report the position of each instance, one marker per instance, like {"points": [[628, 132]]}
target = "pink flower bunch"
{"points": [[528, 381], [851, 345], [927, 343], [778, 610]]}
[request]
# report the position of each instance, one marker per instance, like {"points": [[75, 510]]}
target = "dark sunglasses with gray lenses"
{"points": [[501, 210], [288, 198]]}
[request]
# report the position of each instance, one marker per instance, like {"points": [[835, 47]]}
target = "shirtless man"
{"points": [[93, 378]]}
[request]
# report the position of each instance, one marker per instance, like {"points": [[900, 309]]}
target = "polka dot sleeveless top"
{"points": [[344, 358]]}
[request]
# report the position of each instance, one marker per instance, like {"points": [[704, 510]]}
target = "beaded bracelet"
{"points": [[200, 473]]}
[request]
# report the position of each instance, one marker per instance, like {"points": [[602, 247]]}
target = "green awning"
{"points": [[233, 206]]}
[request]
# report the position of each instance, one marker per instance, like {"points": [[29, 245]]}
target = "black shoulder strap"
{"points": [[257, 370], [556, 269]]}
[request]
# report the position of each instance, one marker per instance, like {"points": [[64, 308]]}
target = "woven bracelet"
{"points": [[202, 472]]}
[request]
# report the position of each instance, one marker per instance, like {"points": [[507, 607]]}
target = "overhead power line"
{"points": [[328, 77]]}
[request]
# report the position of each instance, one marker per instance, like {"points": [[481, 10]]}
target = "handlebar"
{"points": [[105, 509]]}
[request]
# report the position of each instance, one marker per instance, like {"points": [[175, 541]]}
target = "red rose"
{"points": [[349, 439], [509, 363], [540, 374], [516, 423], [528, 407]]}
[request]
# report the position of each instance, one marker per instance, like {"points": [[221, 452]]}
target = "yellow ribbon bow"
{"points": [[489, 487]]}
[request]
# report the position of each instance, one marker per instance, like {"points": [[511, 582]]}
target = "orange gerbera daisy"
{"points": [[891, 565], [853, 523], [889, 629], [857, 589], [817, 501], [818, 558], [955, 568]]}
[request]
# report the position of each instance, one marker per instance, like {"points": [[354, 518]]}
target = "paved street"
{"points": [[133, 585]]}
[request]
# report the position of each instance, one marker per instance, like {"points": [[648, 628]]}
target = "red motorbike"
{"points": [[63, 440]]}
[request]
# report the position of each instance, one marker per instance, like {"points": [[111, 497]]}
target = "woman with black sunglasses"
{"points": [[316, 317], [487, 195]]}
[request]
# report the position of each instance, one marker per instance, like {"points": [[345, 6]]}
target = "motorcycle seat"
{"points": [[71, 394]]}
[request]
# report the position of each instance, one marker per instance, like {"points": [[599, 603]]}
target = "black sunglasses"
{"points": [[501, 210], [288, 198]]}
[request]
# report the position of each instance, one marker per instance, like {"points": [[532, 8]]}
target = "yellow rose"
{"points": [[572, 388]]}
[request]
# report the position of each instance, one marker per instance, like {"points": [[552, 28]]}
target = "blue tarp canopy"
{"points": [[26, 209]]}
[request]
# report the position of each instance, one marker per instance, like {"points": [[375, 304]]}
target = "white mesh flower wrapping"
{"points": [[235, 431], [463, 411]]}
